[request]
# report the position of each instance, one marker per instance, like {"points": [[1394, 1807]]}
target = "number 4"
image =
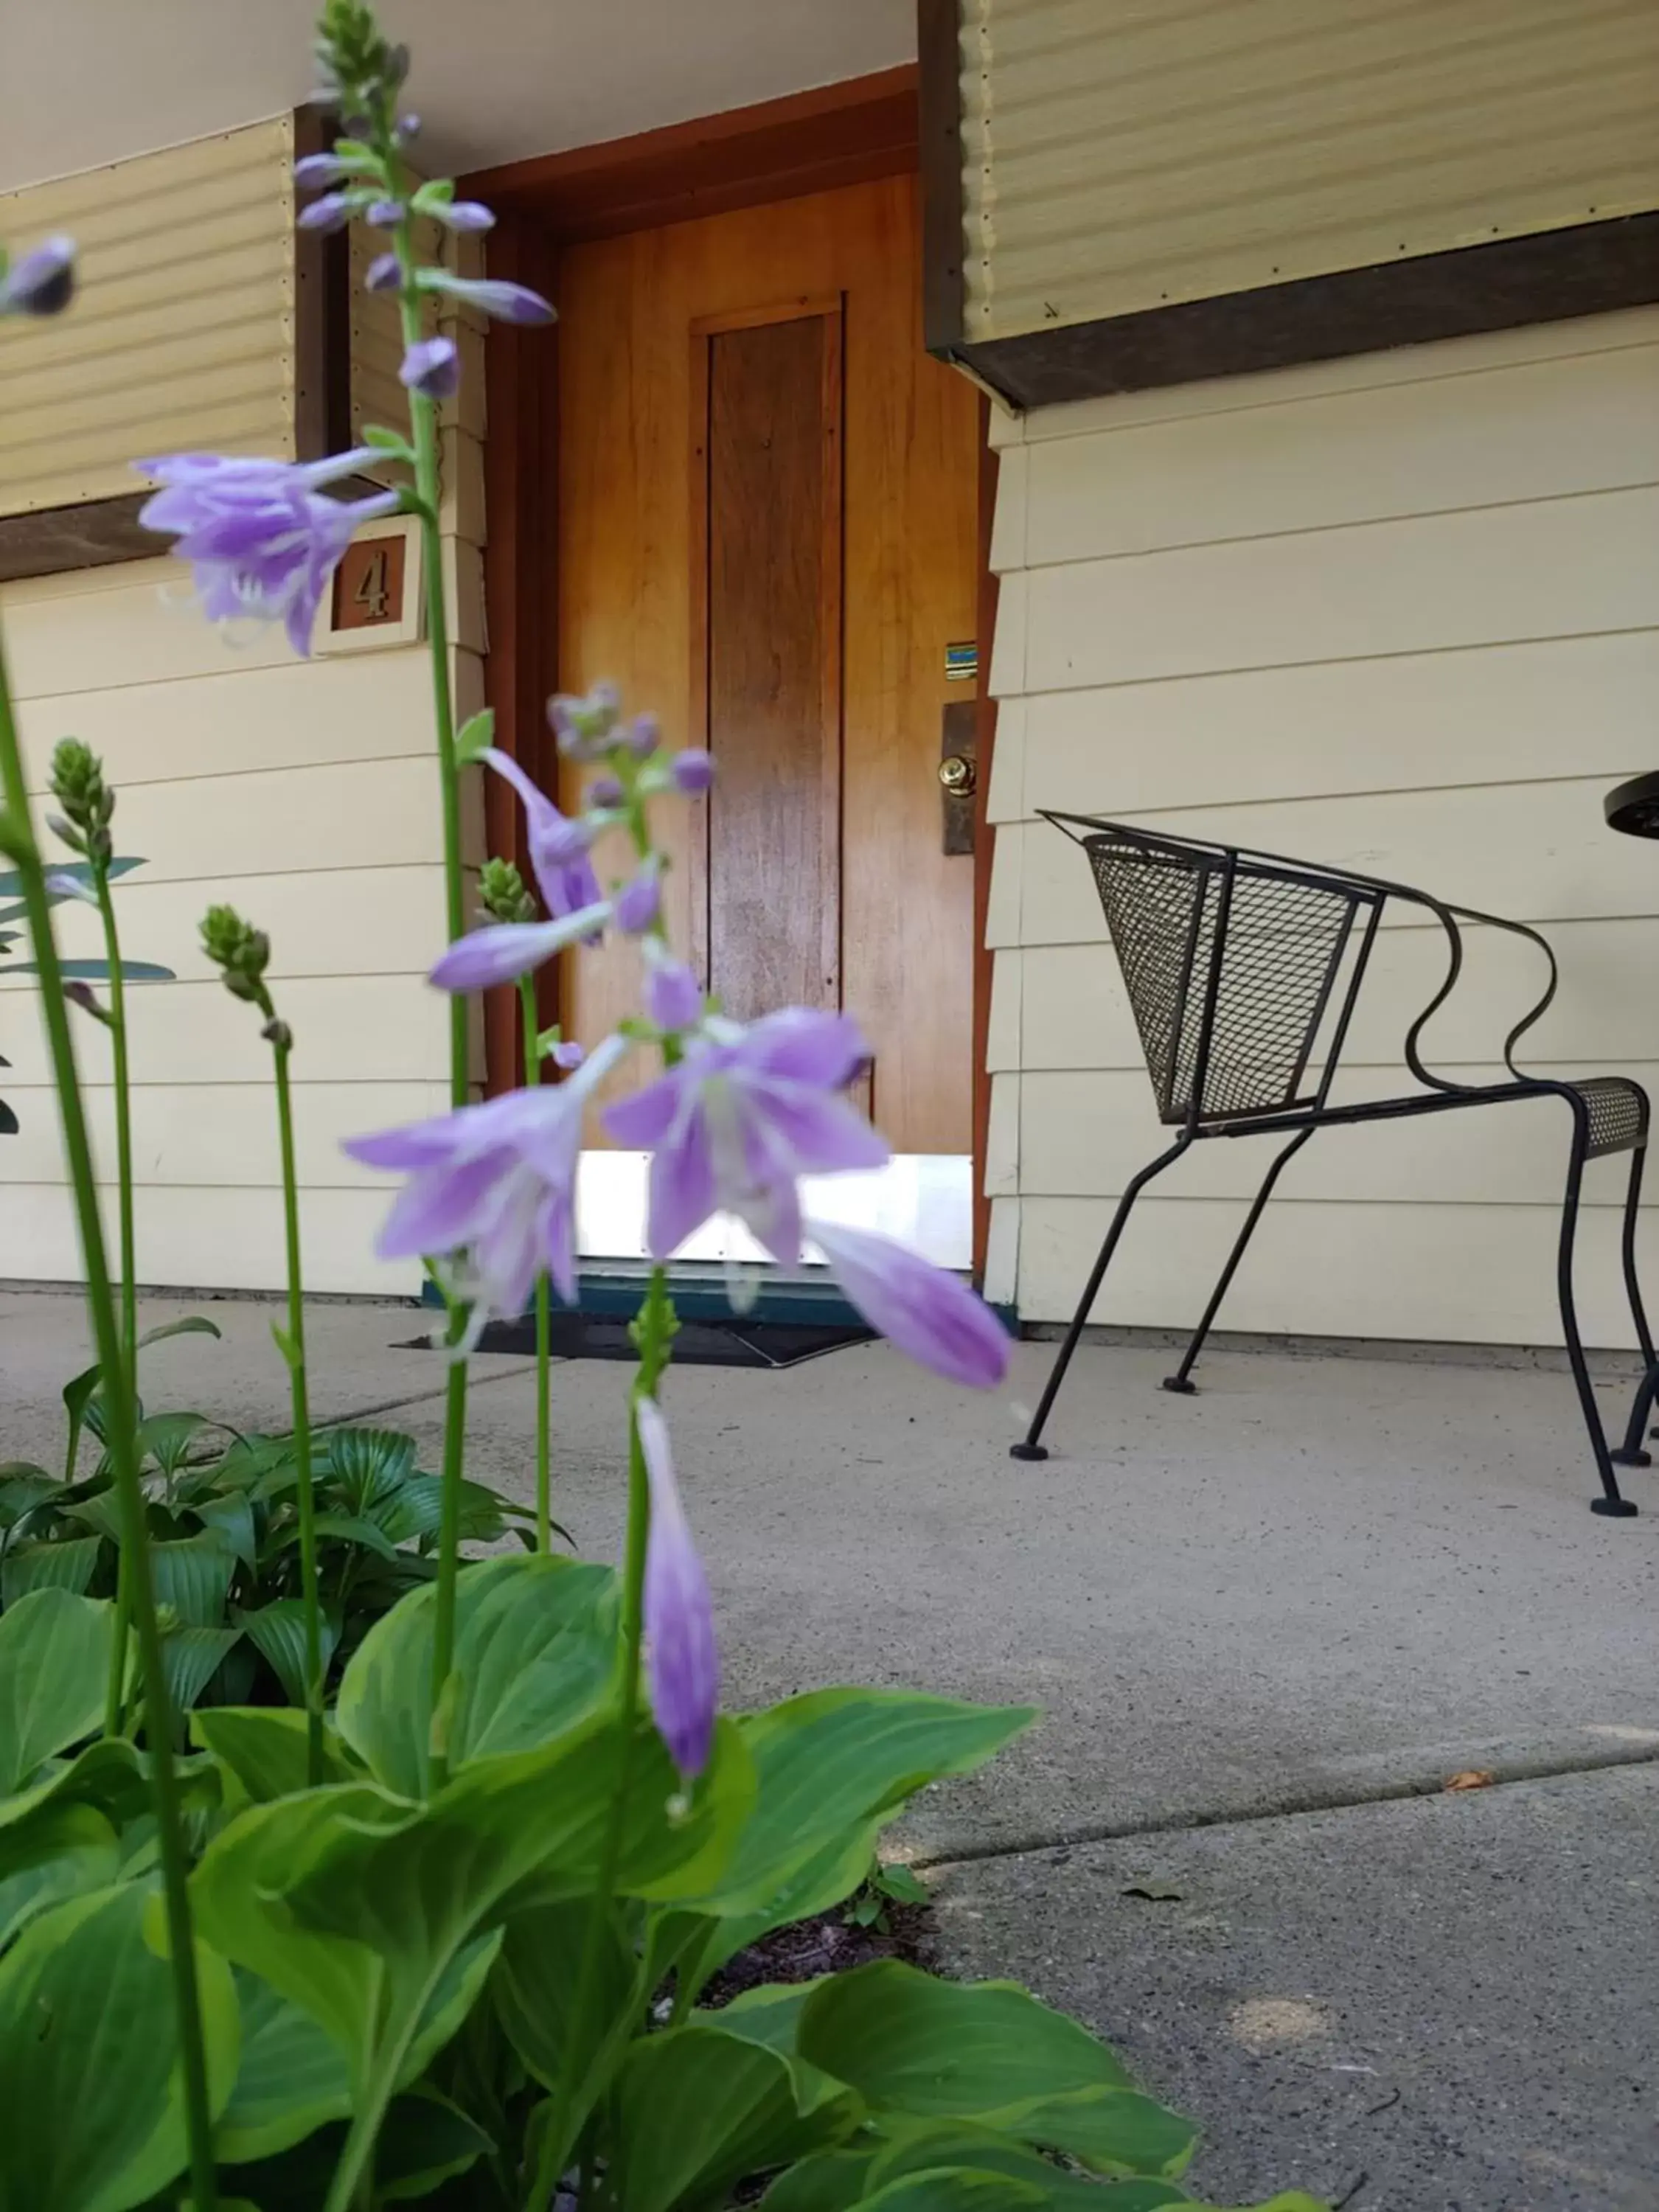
{"points": [[371, 595]]}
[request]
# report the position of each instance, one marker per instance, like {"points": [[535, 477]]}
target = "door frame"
{"points": [[854, 132]]}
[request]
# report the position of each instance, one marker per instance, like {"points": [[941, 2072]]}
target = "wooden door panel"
{"points": [[773, 668], [629, 541]]}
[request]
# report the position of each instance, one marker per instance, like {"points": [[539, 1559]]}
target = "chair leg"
{"points": [[1030, 1448], [1633, 1452], [1610, 1501], [1179, 1381]]}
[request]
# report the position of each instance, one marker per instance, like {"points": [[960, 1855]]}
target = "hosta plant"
{"points": [[449, 1935]]}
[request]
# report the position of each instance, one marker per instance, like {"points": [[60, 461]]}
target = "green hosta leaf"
{"points": [[536, 1651], [186, 1325], [63, 1851], [94, 2117], [265, 1747], [827, 2181], [425, 2141], [334, 1980], [54, 1666], [961, 2143], [191, 1658], [534, 1983], [261, 1466], [925, 2049], [67, 1565], [364, 1464], [475, 735], [9, 1124], [957, 2189], [109, 1774], [22, 1487], [98, 971], [697, 2110], [345, 1529], [230, 1518], [833, 1767], [193, 1577], [100, 1510], [278, 1632], [166, 1438], [292, 2079]]}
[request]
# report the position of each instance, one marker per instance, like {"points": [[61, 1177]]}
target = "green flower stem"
{"points": [[120, 1637], [281, 1046], [532, 1076], [654, 1335], [117, 1027], [423, 439], [19, 838]]}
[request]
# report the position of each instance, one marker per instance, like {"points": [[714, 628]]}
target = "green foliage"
{"points": [[223, 1527]]}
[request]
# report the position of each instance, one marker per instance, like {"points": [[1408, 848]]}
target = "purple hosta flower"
{"points": [[495, 1183], [683, 1661], [638, 904], [674, 996], [468, 216], [693, 770], [433, 366], [490, 295], [63, 885], [566, 1053], [386, 215], [577, 909], [315, 173], [606, 792], [744, 1116], [503, 951], [930, 1315], [41, 282], [383, 274], [262, 537], [585, 728], [332, 212]]}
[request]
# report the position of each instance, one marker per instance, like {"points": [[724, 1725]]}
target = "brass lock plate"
{"points": [[959, 774]]}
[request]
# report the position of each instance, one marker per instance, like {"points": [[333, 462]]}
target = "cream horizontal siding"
{"points": [[1399, 614], [1118, 158], [304, 792], [183, 334]]}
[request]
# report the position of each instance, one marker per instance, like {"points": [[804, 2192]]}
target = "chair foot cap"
{"points": [[1635, 1457], [1616, 1509], [1029, 1451], [1180, 1385]]}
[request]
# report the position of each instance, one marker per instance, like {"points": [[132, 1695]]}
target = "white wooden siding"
{"points": [[1118, 158], [303, 793], [183, 333], [1399, 613]]}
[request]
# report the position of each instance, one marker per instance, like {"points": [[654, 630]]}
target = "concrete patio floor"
{"points": [[1265, 1626]]}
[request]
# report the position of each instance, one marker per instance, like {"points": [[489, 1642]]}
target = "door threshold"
{"points": [[701, 1292]]}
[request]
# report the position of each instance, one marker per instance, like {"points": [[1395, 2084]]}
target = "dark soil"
{"points": [[826, 1945]]}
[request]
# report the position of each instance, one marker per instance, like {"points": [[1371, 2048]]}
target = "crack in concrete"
{"points": [[1294, 1805]]}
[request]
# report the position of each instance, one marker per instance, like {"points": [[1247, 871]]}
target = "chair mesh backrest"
{"points": [[1284, 940]]}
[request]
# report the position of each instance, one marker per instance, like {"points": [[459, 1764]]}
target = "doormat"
{"points": [[699, 1343]]}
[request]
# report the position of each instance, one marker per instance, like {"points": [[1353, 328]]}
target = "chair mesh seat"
{"points": [[1283, 938], [1617, 1113]]}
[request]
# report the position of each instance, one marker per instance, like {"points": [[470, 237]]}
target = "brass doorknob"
{"points": [[956, 773]]}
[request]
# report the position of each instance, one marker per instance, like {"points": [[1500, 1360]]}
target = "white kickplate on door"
{"points": [[926, 1200]]}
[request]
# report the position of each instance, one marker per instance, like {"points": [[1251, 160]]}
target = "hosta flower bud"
{"points": [[693, 770], [242, 951], [383, 274], [606, 792], [332, 212], [42, 282], [502, 895], [639, 903], [88, 803], [433, 366], [386, 215], [644, 736]]}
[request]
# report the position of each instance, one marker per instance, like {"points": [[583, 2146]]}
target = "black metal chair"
{"points": [[1243, 970]]}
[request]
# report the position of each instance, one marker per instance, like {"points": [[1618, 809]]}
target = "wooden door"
{"points": [[768, 535]]}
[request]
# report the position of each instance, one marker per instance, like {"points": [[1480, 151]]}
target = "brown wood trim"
{"points": [[808, 141], [55, 539], [940, 130], [520, 558], [1586, 268], [984, 837], [322, 317]]}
